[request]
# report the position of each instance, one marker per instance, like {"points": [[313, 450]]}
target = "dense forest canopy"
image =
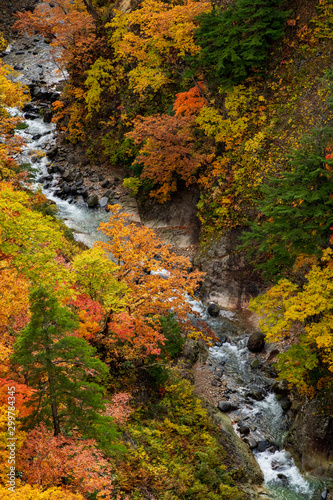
{"points": [[234, 99]]}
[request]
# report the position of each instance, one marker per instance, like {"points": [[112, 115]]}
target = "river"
{"points": [[265, 419]]}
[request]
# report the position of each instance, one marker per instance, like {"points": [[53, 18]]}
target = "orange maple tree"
{"points": [[46, 460], [190, 102], [157, 280], [169, 152]]}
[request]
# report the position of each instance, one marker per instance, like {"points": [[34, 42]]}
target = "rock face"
{"points": [[195, 350], [310, 440], [176, 221], [256, 342], [236, 448], [230, 281]]}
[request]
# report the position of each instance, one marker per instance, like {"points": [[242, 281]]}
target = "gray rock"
{"points": [[52, 169], [216, 383], [256, 342], [103, 202], [283, 478], [224, 406], [257, 394], [92, 201], [65, 188], [108, 193], [255, 363], [324, 494], [83, 192], [52, 153], [47, 116], [213, 309], [68, 176], [281, 387], [106, 184], [243, 428], [30, 116], [263, 445], [251, 442], [285, 403], [278, 463]]}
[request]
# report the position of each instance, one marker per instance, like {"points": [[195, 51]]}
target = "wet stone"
{"points": [[285, 403], [256, 342], [213, 309], [255, 363], [263, 445], [103, 202], [92, 201], [30, 116], [251, 442], [243, 428]]}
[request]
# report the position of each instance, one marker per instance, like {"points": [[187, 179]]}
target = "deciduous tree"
{"points": [[168, 152]]}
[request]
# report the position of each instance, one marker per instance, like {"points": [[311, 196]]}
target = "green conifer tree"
{"points": [[63, 370], [297, 208], [236, 40]]}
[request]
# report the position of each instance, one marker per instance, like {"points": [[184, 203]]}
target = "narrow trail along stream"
{"points": [[256, 413]]}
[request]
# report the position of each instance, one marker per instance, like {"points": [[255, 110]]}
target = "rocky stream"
{"points": [[258, 406]]}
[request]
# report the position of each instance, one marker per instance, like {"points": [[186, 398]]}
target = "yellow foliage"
{"points": [[307, 312], [28, 492], [102, 75], [166, 33]]}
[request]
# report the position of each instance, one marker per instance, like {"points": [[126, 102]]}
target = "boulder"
{"points": [[106, 184], [52, 169], [30, 116], [281, 387], [213, 309], [103, 202], [256, 394], [48, 116], [108, 193], [255, 363], [263, 445], [256, 342], [67, 176], [285, 403], [243, 428], [92, 201], [251, 442], [65, 188], [224, 406], [52, 153]]}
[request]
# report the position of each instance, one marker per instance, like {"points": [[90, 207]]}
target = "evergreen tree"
{"points": [[297, 208], [236, 40], [63, 370]]}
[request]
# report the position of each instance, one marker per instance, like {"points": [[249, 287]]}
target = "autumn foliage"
{"points": [[168, 152]]}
